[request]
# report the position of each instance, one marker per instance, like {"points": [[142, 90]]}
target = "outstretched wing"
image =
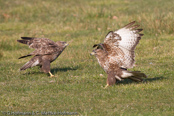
{"points": [[42, 46], [123, 43]]}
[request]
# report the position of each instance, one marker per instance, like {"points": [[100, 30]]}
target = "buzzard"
{"points": [[46, 51], [116, 54]]}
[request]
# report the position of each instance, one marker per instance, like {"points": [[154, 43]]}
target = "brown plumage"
{"points": [[116, 54], [46, 51]]}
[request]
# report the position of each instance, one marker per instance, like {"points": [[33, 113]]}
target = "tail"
{"points": [[27, 65], [33, 62], [137, 76]]}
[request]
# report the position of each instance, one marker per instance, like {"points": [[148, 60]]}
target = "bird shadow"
{"points": [[53, 70], [154, 79], [146, 80], [64, 69], [32, 72]]}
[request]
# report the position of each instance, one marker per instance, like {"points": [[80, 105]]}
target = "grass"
{"points": [[77, 86]]}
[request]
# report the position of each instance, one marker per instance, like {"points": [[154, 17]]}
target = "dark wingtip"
{"points": [[139, 30], [130, 24], [22, 41], [27, 38], [141, 34], [24, 56], [134, 27], [109, 33], [21, 69]]}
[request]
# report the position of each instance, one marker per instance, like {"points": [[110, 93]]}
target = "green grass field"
{"points": [[78, 84]]}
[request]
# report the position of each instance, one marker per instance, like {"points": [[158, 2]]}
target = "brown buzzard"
{"points": [[116, 54], [46, 51]]}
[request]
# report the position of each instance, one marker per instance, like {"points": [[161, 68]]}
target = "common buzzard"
{"points": [[116, 54], [46, 51]]}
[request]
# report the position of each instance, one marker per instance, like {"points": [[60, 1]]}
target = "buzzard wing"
{"points": [[42, 46], [123, 43]]}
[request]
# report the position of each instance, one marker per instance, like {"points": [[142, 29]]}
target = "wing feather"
{"points": [[126, 39], [42, 46], [129, 36]]}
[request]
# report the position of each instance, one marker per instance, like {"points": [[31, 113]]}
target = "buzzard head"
{"points": [[99, 50], [62, 44]]}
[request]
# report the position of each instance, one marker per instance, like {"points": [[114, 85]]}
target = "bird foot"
{"points": [[51, 75], [106, 86]]}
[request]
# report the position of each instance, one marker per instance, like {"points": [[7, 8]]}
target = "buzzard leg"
{"points": [[111, 80], [46, 67], [107, 85], [51, 75]]}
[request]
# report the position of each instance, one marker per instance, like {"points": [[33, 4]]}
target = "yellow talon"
{"points": [[106, 86], [51, 75]]}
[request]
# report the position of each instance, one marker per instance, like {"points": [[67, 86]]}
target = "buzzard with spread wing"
{"points": [[46, 51], [116, 54]]}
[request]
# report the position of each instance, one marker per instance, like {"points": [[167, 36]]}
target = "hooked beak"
{"points": [[66, 44], [92, 53]]}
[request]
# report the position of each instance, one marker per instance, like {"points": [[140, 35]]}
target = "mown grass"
{"points": [[78, 85]]}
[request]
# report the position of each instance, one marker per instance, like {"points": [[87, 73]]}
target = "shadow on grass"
{"points": [[128, 81], [53, 70], [32, 72], [154, 79], [64, 69]]}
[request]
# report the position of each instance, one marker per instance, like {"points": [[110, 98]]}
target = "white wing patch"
{"points": [[128, 58], [122, 44], [129, 38], [35, 63]]}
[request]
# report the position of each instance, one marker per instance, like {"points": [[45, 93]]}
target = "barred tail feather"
{"points": [[137, 76], [27, 65]]}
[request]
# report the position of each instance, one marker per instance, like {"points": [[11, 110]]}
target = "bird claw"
{"points": [[106, 86], [51, 75]]}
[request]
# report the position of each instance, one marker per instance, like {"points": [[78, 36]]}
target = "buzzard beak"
{"points": [[92, 53], [66, 44]]}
